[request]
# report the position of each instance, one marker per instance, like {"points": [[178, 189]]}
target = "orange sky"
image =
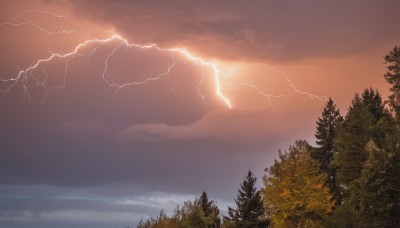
{"points": [[171, 137]]}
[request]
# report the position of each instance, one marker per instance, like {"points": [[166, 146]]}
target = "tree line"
{"points": [[350, 179]]}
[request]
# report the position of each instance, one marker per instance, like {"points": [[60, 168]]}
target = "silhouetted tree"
{"points": [[366, 120], [326, 126], [380, 181], [209, 210], [249, 210], [392, 76], [359, 126]]}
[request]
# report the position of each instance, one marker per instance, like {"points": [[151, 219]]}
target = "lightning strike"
{"points": [[312, 96], [94, 44], [39, 12], [251, 85], [57, 29], [23, 75]]}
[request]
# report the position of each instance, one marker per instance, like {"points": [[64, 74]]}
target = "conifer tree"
{"points": [[351, 137], [360, 125], [249, 210], [209, 210], [380, 179], [201, 213], [392, 76], [366, 120], [325, 134]]}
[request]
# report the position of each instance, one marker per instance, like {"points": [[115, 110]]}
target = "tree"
{"points": [[325, 134], [367, 119], [249, 210], [360, 125], [349, 143], [160, 221], [209, 211], [380, 198], [392, 76], [201, 213], [295, 194]]}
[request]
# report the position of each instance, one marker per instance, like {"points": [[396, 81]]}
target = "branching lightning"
{"points": [[251, 85], [94, 44], [313, 96], [55, 31]]}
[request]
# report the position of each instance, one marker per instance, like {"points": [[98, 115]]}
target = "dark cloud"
{"points": [[273, 30]]}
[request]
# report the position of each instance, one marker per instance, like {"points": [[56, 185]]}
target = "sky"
{"points": [[114, 110]]}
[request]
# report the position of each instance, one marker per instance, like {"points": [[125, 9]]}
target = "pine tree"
{"points": [[373, 102], [325, 134], [295, 194], [392, 76], [351, 137], [201, 213], [249, 210], [366, 120], [209, 210], [359, 126], [380, 196]]}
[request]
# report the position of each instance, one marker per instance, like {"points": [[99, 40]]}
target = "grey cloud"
{"points": [[264, 30], [22, 216], [102, 206], [237, 126]]}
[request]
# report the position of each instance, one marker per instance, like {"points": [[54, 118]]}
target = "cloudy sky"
{"points": [[114, 110]]}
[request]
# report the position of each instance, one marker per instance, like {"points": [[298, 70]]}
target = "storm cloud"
{"points": [[86, 154]]}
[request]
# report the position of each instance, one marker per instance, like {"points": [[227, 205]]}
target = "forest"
{"points": [[350, 179]]}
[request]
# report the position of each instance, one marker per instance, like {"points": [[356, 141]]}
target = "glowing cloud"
{"points": [[93, 44]]}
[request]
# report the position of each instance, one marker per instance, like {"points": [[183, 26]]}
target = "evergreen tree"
{"points": [[209, 210], [373, 102], [366, 120], [392, 76], [359, 126], [201, 213], [249, 210], [295, 194], [380, 197], [325, 134], [351, 138]]}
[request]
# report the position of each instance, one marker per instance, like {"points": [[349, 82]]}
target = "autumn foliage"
{"points": [[295, 194]]}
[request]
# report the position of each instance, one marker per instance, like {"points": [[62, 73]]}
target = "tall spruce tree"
{"points": [[325, 134], [380, 179], [209, 209], [249, 210], [359, 126], [392, 76], [366, 120]]}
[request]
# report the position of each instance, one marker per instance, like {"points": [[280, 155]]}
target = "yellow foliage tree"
{"points": [[294, 193]]}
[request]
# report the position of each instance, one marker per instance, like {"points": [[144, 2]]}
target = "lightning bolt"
{"points": [[286, 77], [39, 12], [94, 44], [251, 85], [55, 31]]}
